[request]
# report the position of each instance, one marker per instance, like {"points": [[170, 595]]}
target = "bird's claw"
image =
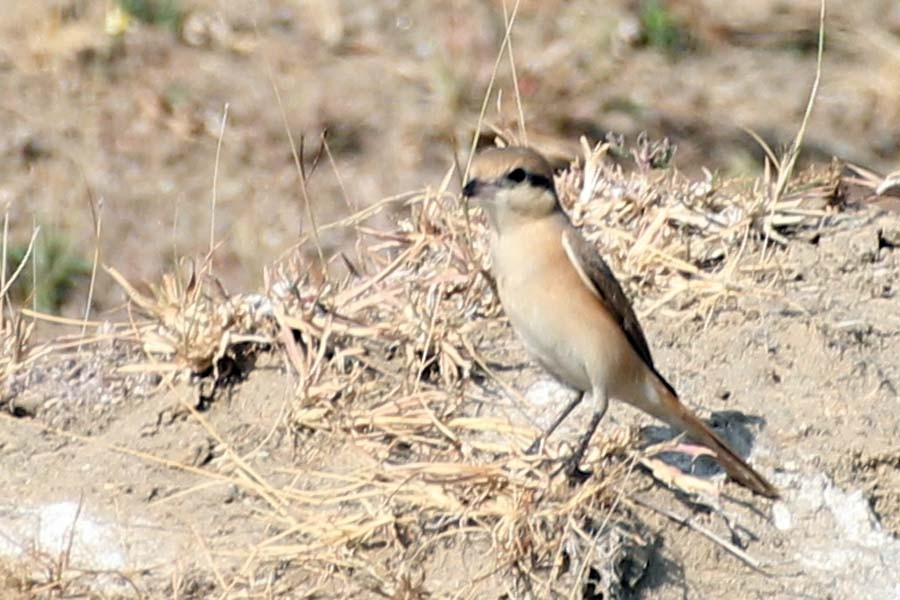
{"points": [[573, 473], [534, 447]]}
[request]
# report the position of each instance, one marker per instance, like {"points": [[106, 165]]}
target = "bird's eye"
{"points": [[517, 175]]}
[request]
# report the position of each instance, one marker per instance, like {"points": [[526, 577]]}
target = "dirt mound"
{"points": [[362, 436]]}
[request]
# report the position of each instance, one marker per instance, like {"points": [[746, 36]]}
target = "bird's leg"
{"points": [[571, 464], [536, 444]]}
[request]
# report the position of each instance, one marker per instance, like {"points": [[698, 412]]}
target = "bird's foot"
{"points": [[574, 474], [535, 446]]}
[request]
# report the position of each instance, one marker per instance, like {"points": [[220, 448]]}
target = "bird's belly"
{"points": [[544, 323]]}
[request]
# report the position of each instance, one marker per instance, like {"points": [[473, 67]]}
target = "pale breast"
{"points": [[548, 306], [562, 322]]}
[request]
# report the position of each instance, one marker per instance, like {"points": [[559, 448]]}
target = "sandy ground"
{"points": [[804, 380]]}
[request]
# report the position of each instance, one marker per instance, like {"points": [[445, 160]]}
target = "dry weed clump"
{"points": [[195, 325], [397, 362], [15, 331], [38, 574], [14, 343], [387, 359], [691, 241]]}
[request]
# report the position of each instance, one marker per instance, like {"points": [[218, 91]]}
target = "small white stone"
{"points": [[781, 516]]}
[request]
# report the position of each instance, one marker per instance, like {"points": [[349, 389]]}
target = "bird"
{"points": [[570, 311]]}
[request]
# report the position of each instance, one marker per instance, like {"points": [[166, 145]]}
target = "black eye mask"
{"points": [[518, 175], [511, 179]]}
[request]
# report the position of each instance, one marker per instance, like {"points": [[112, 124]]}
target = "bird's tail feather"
{"points": [[673, 412]]}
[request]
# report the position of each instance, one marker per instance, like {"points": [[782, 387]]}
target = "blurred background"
{"points": [[118, 104]]}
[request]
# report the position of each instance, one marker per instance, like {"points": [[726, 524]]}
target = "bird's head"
{"points": [[513, 185]]}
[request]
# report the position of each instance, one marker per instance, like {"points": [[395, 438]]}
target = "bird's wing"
{"points": [[599, 278]]}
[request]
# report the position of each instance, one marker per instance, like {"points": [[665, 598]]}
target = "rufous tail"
{"points": [[677, 415]]}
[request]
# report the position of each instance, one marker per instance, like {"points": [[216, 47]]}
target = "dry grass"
{"points": [[688, 242], [38, 574], [395, 361], [15, 332]]}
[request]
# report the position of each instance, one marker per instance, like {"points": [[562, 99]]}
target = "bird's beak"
{"points": [[479, 190], [472, 188]]}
